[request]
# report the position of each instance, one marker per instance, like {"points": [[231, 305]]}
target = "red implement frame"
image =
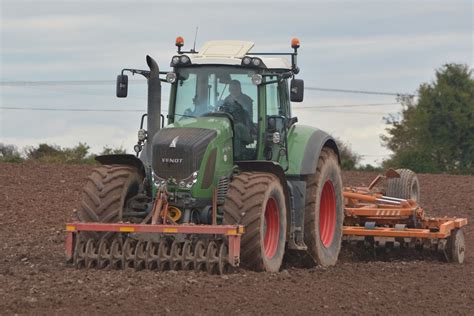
{"points": [[157, 222], [232, 232]]}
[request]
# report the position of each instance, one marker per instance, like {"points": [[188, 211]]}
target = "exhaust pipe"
{"points": [[154, 103]]}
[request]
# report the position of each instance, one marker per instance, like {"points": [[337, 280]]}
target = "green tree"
{"points": [[436, 134], [9, 153], [349, 159], [56, 154], [113, 150]]}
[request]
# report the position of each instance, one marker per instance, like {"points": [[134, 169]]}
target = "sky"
{"points": [[73, 51]]}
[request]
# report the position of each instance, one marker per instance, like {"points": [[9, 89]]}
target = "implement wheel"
{"points": [[456, 246], [256, 200], [324, 210], [106, 192], [406, 187]]}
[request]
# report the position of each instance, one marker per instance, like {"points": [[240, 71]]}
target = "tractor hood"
{"points": [[195, 150]]}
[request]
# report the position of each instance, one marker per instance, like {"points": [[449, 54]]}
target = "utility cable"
{"points": [[106, 82]]}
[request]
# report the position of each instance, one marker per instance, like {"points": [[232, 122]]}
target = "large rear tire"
{"points": [[106, 192], [405, 187], [256, 200], [324, 210]]}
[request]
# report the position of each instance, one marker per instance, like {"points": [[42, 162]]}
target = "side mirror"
{"points": [[122, 86], [297, 90]]}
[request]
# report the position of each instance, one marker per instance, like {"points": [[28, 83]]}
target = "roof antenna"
{"points": [[195, 36]]}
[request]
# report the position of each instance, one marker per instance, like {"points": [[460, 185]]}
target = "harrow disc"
{"points": [[90, 254], [79, 253], [151, 259], [212, 259], [188, 256], [129, 252], [103, 254], [200, 255], [223, 264], [117, 259], [140, 255], [176, 255], [164, 257]]}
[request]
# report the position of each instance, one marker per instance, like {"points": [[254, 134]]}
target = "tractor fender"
{"points": [[122, 159], [305, 144]]}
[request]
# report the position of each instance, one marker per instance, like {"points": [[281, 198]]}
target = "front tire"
{"points": [[256, 200], [107, 190], [324, 210]]}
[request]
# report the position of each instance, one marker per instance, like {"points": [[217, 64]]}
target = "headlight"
{"points": [[171, 77], [137, 148], [141, 135], [276, 138], [160, 182], [180, 60], [189, 181], [256, 62], [175, 60], [246, 61], [256, 79]]}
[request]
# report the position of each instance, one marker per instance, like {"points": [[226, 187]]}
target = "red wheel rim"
{"points": [[327, 214], [271, 228]]}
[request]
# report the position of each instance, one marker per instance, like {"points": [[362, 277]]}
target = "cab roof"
{"points": [[231, 53]]}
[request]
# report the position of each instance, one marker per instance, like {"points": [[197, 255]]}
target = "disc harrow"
{"points": [[168, 254], [211, 248], [382, 223]]}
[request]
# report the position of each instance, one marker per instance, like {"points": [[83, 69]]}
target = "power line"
{"points": [[395, 94], [65, 83], [353, 112], [327, 108], [344, 105], [66, 110], [56, 83], [107, 82]]}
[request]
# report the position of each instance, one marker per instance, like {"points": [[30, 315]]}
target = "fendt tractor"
{"points": [[232, 180]]}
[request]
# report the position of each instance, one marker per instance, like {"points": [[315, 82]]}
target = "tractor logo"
{"points": [[172, 160], [173, 142]]}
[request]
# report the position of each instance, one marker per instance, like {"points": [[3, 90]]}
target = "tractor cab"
{"points": [[251, 90]]}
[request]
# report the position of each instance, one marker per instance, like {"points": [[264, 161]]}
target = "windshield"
{"points": [[203, 90], [210, 89]]}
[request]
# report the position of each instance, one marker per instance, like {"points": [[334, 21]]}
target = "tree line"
{"points": [[45, 153]]}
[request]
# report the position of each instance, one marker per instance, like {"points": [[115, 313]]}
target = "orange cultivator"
{"points": [[158, 243], [370, 214]]}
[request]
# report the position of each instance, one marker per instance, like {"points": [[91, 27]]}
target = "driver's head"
{"points": [[234, 88]]}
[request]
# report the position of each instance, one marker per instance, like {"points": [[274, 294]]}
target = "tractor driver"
{"points": [[240, 106], [236, 96]]}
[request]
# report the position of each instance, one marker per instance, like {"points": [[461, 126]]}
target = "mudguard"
{"points": [[122, 159], [304, 147]]}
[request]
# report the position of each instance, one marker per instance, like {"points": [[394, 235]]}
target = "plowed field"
{"points": [[37, 200]]}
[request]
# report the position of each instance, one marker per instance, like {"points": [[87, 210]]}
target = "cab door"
{"points": [[277, 114]]}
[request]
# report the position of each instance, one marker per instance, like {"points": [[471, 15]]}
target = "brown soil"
{"points": [[37, 200]]}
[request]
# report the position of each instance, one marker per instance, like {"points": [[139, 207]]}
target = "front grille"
{"points": [[185, 157]]}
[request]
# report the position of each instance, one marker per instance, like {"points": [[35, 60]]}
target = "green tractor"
{"points": [[231, 153]]}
